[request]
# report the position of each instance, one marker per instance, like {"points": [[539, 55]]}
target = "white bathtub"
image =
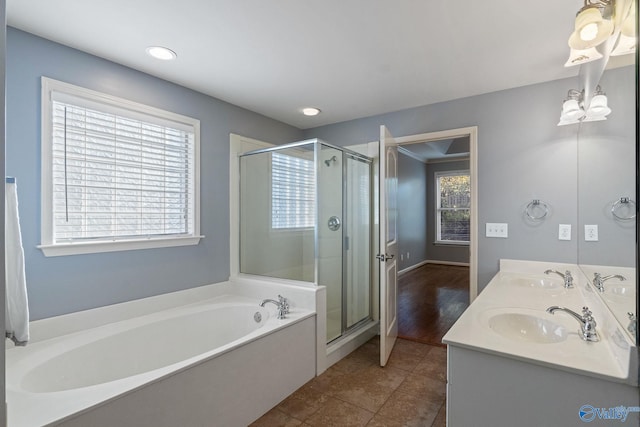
{"points": [[184, 366]]}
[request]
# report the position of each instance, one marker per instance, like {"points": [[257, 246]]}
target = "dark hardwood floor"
{"points": [[430, 300]]}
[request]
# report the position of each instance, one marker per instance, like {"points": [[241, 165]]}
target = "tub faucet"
{"points": [[567, 277], [598, 280], [587, 322], [282, 304]]}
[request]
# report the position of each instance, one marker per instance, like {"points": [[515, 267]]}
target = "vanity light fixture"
{"points": [[582, 56], [572, 111], [593, 24], [627, 42], [598, 108], [598, 21], [310, 111], [573, 108], [161, 53]]}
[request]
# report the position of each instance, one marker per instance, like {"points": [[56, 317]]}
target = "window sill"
{"points": [[449, 243], [64, 249]]}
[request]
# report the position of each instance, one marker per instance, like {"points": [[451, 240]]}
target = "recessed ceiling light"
{"points": [[310, 111], [160, 52]]}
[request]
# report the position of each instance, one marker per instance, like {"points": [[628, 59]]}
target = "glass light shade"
{"points": [[571, 110], [563, 122], [582, 56], [588, 118], [624, 46], [628, 27], [590, 29], [598, 108]]}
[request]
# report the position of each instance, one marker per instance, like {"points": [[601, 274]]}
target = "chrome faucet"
{"points": [[633, 323], [598, 280], [587, 322], [282, 304], [567, 277]]}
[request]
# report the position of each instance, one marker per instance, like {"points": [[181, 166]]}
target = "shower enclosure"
{"points": [[306, 215]]}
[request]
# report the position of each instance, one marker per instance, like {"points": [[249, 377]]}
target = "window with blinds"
{"points": [[453, 194], [292, 192], [119, 171]]}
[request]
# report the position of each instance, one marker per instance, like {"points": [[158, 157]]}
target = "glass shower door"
{"points": [[357, 241], [330, 235]]}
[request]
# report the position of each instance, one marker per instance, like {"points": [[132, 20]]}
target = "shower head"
{"points": [[328, 161]]}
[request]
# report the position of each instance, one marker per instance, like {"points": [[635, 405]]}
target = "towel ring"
{"points": [[529, 210], [627, 203]]}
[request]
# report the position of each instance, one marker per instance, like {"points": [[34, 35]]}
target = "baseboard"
{"points": [[459, 264], [429, 261], [413, 267]]}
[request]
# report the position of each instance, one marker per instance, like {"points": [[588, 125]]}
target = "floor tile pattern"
{"points": [[409, 391]]}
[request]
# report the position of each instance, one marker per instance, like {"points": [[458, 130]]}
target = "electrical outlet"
{"points": [[401, 257], [591, 233], [408, 255], [564, 232], [497, 229]]}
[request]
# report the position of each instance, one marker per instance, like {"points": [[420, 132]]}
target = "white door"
{"points": [[388, 247]]}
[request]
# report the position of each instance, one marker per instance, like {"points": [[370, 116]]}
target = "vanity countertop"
{"points": [[522, 288]]}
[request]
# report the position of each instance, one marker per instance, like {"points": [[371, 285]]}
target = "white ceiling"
{"points": [[434, 151], [350, 58]]}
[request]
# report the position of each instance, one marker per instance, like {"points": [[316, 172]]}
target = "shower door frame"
{"points": [[369, 161], [235, 227]]}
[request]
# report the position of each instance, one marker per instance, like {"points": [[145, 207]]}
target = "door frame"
{"points": [[472, 133]]}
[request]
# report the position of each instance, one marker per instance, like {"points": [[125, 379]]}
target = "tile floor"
{"points": [[409, 391]]}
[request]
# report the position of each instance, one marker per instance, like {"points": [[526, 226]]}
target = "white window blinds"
{"points": [[292, 192], [116, 175], [119, 174]]}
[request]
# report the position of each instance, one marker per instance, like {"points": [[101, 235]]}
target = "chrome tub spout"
{"points": [[282, 305]]}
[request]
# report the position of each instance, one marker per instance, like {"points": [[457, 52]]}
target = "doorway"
{"points": [[437, 209]]}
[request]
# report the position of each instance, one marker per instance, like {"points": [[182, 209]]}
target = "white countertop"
{"points": [[507, 293]]}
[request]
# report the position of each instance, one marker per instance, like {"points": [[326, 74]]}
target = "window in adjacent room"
{"points": [[292, 192], [453, 193], [116, 175]]}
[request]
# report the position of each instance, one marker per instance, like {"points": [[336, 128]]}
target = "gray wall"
{"points": [[435, 252], [58, 285], [607, 171], [412, 211], [522, 155]]}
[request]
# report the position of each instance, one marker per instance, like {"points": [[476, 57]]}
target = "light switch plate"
{"points": [[591, 233], [497, 229], [564, 232]]}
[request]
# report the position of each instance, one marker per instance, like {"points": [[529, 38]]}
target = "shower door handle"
{"points": [[333, 223], [384, 257]]}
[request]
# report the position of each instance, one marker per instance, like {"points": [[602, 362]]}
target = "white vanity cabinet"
{"points": [[512, 363], [489, 390]]}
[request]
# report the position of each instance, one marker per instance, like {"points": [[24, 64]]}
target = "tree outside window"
{"points": [[453, 206]]}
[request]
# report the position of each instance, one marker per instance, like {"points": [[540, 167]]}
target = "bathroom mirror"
{"points": [[606, 195]]}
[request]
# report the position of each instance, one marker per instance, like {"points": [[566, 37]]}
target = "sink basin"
{"points": [[527, 328], [620, 290]]}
